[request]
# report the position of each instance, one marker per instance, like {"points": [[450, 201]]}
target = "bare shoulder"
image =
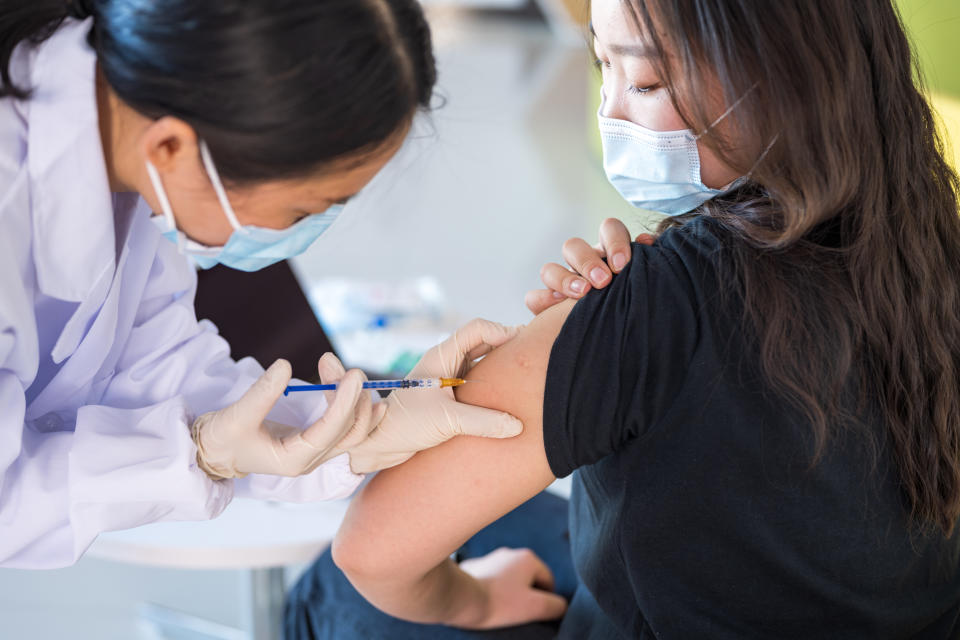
{"points": [[512, 377]]}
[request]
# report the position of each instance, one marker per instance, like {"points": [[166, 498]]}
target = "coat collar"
{"points": [[74, 243]]}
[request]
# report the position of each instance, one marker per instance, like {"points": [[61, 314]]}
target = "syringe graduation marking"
{"points": [[416, 383]]}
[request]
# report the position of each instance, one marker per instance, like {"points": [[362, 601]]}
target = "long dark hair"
{"points": [[845, 243], [277, 88]]}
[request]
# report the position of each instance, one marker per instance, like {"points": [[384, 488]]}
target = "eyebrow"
{"points": [[632, 50]]}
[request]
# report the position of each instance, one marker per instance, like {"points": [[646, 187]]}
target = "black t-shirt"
{"points": [[695, 511]]}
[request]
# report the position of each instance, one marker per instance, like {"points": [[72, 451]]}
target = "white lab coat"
{"points": [[102, 360]]}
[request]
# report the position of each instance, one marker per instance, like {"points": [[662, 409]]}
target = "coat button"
{"points": [[50, 422]]}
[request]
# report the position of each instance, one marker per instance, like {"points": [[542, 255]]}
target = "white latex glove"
{"points": [[420, 419], [238, 439]]}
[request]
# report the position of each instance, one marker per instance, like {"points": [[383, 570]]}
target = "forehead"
{"points": [[615, 27]]}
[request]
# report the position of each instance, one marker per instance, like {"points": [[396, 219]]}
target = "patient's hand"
{"points": [[587, 266], [420, 419], [518, 587]]}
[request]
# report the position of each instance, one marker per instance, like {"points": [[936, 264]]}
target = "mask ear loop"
{"points": [[218, 186], [762, 155], [729, 109], [165, 207]]}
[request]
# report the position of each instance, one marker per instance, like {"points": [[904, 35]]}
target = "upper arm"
{"points": [[411, 517]]}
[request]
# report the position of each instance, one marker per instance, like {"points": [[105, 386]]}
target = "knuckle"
{"points": [[571, 244]]}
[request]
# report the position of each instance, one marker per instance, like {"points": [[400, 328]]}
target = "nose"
{"points": [[612, 102]]}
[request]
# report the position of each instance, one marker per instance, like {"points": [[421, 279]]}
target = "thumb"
{"points": [[331, 370], [480, 336], [474, 339], [471, 420], [256, 403], [340, 414]]}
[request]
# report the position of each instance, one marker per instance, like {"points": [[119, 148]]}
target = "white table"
{"points": [[260, 537]]}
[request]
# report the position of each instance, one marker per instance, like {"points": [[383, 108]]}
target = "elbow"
{"points": [[348, 556], [373, 574], [361, 562]]}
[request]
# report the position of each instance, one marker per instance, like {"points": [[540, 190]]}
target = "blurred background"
{"points": [[486, 190]]}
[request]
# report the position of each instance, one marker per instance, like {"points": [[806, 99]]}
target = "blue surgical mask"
{"points": [[655, 170], [249, 248]]}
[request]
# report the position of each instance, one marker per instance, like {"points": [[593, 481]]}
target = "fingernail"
{"points": [[578, 286], [598, 275], [619, 261], [558, 295]]}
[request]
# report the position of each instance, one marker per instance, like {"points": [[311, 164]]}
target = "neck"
{"points": [[115, 119]]}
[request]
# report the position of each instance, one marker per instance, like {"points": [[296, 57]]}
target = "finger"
{"points": [[585, 260], [483, 333], [330, 370], [379, 411], [615, 239], [450, 357], [490, 343], [340, 414], [471, 420], [474, 339], [363, 422], [539, 300], [645, 238], [259, 399], [544, 605], [563, 280], [542, 576]]}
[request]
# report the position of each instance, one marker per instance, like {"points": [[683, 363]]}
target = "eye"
{"points": [[601, 64], [640, 91]]}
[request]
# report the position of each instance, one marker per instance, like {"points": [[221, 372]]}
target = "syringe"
{"points": [[417, 383]]}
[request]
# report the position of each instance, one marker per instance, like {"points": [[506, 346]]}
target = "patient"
{"points": [[762, 410]]}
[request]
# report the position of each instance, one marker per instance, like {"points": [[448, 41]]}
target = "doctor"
{"points": [[248, 124]]}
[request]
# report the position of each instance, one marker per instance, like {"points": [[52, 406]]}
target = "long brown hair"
{"points": [[845, 243]]}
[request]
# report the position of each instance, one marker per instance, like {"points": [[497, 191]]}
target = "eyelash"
{"points": [[598, 63]]}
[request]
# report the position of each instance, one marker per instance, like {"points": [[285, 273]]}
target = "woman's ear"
{"points": [[169, 143]]}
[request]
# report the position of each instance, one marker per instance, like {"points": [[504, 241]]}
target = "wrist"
{"points": [[216, 469], [469, 606]]}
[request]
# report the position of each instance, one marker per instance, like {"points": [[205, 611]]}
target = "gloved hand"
{"points": [[238, 439], [420, 419]]}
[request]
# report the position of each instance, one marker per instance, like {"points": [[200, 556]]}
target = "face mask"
{"points": [[249, 248], [655, 170]]}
